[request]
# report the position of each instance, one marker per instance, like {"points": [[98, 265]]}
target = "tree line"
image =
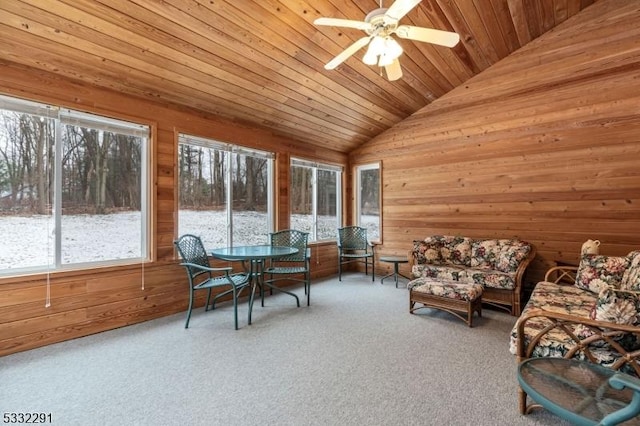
{"points": [[100, 170]]}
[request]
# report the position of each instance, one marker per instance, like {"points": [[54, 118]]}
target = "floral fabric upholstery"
{"points": [[502, 255], [426, 270], [444, 250], [596, 272], [448, 289], [617, 306], [427, 251], [574, 301], [493, 279], [491, 263], [631, 277]]}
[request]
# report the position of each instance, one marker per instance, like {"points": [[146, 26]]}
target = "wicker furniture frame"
{"points": [[603, 333], [455, 307]]}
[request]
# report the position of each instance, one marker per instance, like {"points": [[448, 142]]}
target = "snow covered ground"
{"points": [[28, 241]]}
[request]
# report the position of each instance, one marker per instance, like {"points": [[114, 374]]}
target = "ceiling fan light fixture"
{"points": [[376, 48], [369, 58], [392, 51]]}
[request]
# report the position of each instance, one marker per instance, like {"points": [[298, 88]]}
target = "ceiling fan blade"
{"points": [[428, 35], [334, 22], [347, 53], [398, 10], [393, 70]]}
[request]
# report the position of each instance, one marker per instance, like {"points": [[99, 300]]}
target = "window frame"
{"points": [[315, 166], [228, 149], [63, 116], [357, 189]]}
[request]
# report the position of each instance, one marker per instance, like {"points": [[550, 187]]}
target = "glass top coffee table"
{"points": [[581, 392]]}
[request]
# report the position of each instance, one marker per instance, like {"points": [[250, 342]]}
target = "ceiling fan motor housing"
{"points": [[378, 25]]}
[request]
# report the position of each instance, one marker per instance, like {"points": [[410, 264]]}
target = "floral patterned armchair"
{"points": [[590, 312]]}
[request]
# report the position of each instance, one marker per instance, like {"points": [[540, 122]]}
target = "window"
{"points": [[73, 188], [315, 199], [225, 192], [368, 196]]}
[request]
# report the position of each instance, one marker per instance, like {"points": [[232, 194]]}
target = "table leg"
{"points": [[254, 281], [273, 287], [396, 274]]}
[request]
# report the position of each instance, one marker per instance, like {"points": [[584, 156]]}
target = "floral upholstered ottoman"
{"points": [[451, 296]]}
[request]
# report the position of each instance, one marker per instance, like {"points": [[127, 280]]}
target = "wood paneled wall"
{"points": [[542, 146], [90, 301]]}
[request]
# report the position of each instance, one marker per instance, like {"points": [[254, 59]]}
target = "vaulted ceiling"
{"points": [[261, 62]]}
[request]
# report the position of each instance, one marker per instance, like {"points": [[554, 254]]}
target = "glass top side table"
{"points": [[396, 272], [581, 392]]}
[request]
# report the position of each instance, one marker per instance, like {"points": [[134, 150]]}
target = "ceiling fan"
{"points": [[383, 49]]}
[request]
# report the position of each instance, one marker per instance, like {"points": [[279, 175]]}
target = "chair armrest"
{"points": [[564, 274], [204, 268]]}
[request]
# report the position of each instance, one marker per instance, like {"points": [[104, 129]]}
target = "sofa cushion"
{"points": [[427, 251], [455, 250], [499, 254], [597, 272], [450, 273], [631, 276], [493, 279]]}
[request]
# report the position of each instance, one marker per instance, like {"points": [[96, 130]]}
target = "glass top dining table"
{"points": [[261, 252], [256, 256]]}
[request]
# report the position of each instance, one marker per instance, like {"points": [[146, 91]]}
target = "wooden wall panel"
{"points": [[90, 301], [541, 146]]}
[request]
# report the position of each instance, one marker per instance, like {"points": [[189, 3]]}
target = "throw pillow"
{"points": [[484, 254], [456, 250], [631, 277], [427, 252], [617, 306], [597, 272]]}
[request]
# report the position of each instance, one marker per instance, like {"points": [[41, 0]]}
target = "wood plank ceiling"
{"points": [[260, 62]]}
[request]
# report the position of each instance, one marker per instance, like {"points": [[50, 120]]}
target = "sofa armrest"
{"points": [[561, 275], [412, 259], [518, 280], [602, 332]]}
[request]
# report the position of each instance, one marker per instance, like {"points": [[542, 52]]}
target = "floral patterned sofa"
{"points": [[590, 312], [497, 264]]}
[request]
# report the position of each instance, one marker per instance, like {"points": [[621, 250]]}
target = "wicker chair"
{"points": [[296, 264], [354, 247], [200, 275]]}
